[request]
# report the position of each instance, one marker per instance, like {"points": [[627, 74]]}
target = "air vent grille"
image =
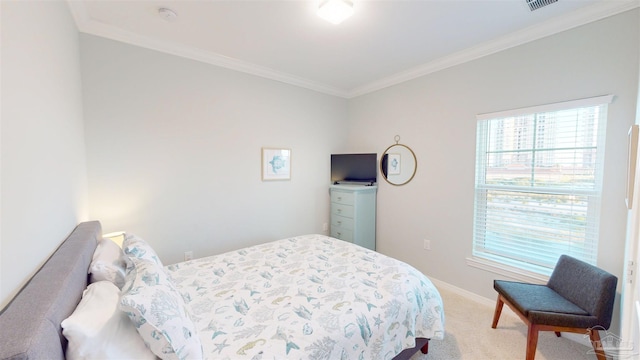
{"points": [[537, 4]]}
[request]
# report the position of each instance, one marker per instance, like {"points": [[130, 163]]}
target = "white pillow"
{"points": [[158, 311], [97, 329], [108, 263]]}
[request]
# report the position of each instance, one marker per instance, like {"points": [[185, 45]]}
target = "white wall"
{"points": [[174, 151], [435, 116], [630, 313], [43, 169]]}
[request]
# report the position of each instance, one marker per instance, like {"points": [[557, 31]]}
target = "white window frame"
{"points": [[522, 270]]}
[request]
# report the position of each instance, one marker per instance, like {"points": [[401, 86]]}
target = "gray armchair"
{"points": [[577, 298]]}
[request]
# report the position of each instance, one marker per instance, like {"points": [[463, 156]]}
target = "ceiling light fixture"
{"points": [[335, 11]]}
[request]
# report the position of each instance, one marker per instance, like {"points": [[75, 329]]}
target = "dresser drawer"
{"points": [[353, 214], [338, 221], [342, 234], [342, 210], [341, 197]]}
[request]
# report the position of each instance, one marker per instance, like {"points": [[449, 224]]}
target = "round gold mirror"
{"points": [[398, 164]]}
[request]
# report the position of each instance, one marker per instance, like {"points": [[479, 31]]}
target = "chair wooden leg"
{"points": [[557, 333], [594, 335], [532, 341], [497, 312]]}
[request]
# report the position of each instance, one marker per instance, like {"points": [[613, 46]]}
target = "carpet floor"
{"points": [[469, 336]]}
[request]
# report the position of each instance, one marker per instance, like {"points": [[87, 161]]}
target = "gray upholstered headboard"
{"points": [[30, 324]]}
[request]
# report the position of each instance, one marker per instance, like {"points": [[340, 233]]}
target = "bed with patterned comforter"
{"points": [[307, 297]]}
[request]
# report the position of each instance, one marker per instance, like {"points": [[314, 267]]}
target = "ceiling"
{"points": [[385, 42]]}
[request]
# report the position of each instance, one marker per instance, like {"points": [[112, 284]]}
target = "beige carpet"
{"points": [[469, 336]]}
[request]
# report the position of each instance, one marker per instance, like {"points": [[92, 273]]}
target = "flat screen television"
{"points": [[349, 168]]}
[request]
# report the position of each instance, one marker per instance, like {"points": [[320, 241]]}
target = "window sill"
{"points": [[508, 271]]}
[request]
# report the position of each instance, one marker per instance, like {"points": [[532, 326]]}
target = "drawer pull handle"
{"points": [[339, 222], [339, 198], [339, 234]]}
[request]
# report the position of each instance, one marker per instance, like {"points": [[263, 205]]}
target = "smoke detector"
{"points": [[537, 4], [167, 14]]}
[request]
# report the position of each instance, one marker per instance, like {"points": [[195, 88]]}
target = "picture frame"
{"points": [[632, 160], [276, 164], [393, 164]]}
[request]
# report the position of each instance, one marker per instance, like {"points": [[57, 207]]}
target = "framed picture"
{"points": [[631, 165], [276, 164], [393, 164]]}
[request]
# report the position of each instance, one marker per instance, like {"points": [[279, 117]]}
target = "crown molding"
{"points": [[580, 17], [583, 16], [89, 26]]}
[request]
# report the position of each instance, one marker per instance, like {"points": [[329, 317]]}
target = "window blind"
{"points": [[538, 184]]}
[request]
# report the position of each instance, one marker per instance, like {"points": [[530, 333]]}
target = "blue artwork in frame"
{"points": [[276, 164]]}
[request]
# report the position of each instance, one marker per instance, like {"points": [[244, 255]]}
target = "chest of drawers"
{"points": [[353, 214]]}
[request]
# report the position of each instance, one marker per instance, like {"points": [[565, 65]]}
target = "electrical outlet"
{"points": [[188, 255], [427, 244]]}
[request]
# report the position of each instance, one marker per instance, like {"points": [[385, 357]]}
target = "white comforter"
{"points": [[308, 297]]}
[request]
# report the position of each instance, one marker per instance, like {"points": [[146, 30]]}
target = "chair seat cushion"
{"points": [[540, 304]]}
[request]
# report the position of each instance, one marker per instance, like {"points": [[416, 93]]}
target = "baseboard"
{"points": [[462, 292]]}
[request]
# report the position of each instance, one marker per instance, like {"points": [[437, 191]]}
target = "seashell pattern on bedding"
{"points": [[307, 297]]}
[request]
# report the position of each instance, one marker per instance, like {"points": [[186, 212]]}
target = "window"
{"points": [[539, 183]]}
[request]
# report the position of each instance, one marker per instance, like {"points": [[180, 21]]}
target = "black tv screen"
{"points": [[353, 168]]}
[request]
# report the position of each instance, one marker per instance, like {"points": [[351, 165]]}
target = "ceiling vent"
{"points": [[537, 4]]}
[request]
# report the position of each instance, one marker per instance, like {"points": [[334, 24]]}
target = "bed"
{"points": [[305, 297]]}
